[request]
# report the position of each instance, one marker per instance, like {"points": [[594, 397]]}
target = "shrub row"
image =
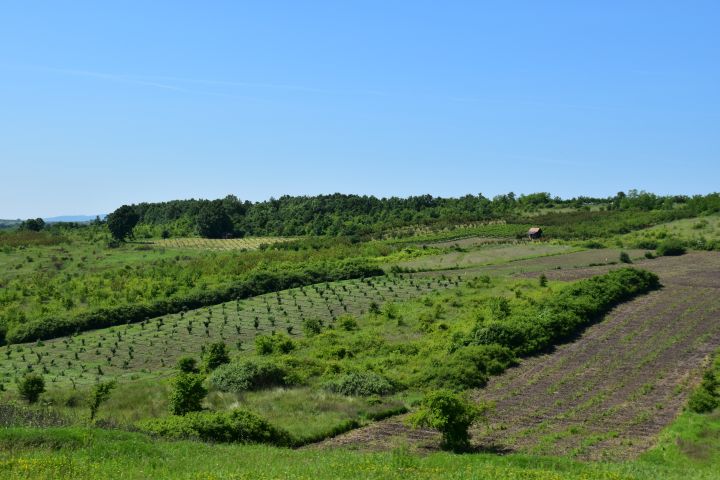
{"points": [[535, 328], [256, 282], [249, 375], [239, 426], [364, 383]]}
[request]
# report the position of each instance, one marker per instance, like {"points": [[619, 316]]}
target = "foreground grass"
{"points": [[690, 449]]}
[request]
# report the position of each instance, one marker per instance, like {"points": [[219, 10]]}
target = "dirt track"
{"points": [[609, 393]]}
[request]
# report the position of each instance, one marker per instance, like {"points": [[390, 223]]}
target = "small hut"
{"points": [[535, 233]]}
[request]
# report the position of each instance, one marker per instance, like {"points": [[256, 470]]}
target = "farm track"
{"points": [[609, 393]]}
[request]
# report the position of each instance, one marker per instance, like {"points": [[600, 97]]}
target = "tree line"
{"points": [[340, 214]]}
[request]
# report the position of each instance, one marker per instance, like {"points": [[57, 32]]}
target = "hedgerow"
{"points": [[537, 327], [249, 375], [240, 426], [362, 383]]}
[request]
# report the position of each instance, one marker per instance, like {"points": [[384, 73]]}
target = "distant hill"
{"points": [[9, 223], [73, 218]]}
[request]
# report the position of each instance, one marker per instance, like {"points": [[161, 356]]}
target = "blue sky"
{"points": [[105, 103]]}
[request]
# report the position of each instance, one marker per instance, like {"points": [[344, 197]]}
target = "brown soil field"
{"points": [[606, 395]]}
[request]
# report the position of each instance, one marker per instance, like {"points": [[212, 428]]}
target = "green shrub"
{"points": [[467, 367], [239, 426], [646, 244], [187, 393], [215, 355], [363, 383], [187, 365], [625, 258], [706, 396], [671, 247], [100, 393], [451, 414], [312, 327], [702, 401], [30, 387], [347, 323], [248, 375], [269, 344]]}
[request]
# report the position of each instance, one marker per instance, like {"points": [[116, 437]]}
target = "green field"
{"points": [[549, 332]]}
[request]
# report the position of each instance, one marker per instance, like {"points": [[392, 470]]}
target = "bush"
{"points": [[100, 393], [187, 365], [467, 367], [625, 258], [215, 355], [30, 387], [451, 414], [671, 247], [646, 244], [706, 397], [187, 393], [360, 384], [269, 344], [312, 326], [248, 375], [237, 426], [348, 323], [702, 401]]}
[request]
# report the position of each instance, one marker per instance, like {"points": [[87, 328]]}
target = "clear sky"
{"points": [[111, 102]]}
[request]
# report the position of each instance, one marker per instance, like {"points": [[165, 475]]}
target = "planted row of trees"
{"points": [[258, 281]]}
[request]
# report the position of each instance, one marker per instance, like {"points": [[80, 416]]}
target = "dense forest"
{"points": [[340, 214]]}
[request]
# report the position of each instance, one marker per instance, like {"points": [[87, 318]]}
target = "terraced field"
{"points": [[485, 255], [249, 243], [135, 350], [608, 394]]}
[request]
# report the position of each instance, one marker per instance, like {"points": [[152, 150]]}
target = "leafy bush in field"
{"points": [[467, 367], [363, 383], [187, 365], [706, 397], [625, 258], [100, 393], [347, 323], [239, 426], [451, 414], [532, 329], [671, 247], [215, 355], [256, 282], [248, 375], [312, 326], [646, 244], [269, 344], [187, 393], [30, 387]]}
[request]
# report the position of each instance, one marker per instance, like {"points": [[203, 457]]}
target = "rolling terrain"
{"points": [[606, 395]]}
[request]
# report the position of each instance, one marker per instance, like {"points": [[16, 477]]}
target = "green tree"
{"points": [[122, 221], [451, 414], [100, 393], [187, 393], [213, 221], [34, 225], [215, 355], [187, 365], [30, 387]]}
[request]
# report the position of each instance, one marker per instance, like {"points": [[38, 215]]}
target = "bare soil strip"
{"points": [[609, 393]]}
